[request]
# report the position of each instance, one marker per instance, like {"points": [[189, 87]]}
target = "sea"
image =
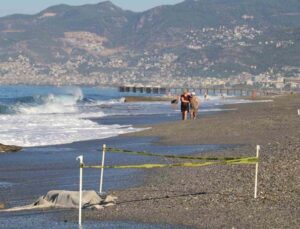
{"points": [[44, 115], [54, 125]]}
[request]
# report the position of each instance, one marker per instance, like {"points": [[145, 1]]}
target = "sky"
{"points": [[8, 7]]}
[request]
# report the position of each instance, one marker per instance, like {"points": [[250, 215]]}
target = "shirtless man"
{"points": [[185, 107]]}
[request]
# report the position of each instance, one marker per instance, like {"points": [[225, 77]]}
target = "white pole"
{"points": [[256, 171], [80, 158], [298, 111], [102, 169]]}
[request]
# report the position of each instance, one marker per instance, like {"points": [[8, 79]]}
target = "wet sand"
{"points": [[132, 99], [222, 196]]}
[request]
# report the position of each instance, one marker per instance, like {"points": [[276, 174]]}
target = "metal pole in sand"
{"points": [[102, 169], [80, 158], [256, 171]]}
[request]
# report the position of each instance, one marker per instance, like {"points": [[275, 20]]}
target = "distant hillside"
{"points": [[193, 38]]}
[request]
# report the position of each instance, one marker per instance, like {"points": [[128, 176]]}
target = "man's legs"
{"points": [[184, 115]]}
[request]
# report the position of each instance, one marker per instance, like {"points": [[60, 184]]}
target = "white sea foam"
{"points": [[53, 119], [48, 108], [76, 92], [50, 104], [42, 130]]}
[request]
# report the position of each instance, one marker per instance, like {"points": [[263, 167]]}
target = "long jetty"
{"points": [[199, 90]]}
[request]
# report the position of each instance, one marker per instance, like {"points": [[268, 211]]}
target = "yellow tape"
{"points": [[250, 160], [143, 153]]}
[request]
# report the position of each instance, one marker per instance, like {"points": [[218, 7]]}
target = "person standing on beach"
{"points": [[174, 102], [185, 101], [194, 103], [205, 96]]}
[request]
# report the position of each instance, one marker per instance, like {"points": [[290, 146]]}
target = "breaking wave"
{"points": [[43, 104], [53, 119]]}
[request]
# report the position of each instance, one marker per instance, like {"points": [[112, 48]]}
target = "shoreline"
{"points": [[135, 99], [222, 196]]}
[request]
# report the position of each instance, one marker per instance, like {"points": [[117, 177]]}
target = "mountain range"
{"points": [[193, 38]]}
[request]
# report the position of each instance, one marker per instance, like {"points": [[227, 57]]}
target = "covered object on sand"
{"points": [[69, 199]]}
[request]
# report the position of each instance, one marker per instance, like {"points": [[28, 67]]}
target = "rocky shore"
{"points": [[6, 148], [222, 196]]}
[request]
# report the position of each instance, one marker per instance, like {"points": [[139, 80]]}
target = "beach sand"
{"points": [[222, 196], [132, 99]]}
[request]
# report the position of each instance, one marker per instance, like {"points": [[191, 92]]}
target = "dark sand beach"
{"points": [[221, 196]]}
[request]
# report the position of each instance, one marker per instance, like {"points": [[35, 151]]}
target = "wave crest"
{"points": [[48, 104]]}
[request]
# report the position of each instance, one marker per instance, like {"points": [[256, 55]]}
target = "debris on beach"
{"points": [[7, 148], [69, 199]]}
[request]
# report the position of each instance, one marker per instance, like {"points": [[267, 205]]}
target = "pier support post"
{"points": [[121, 89], [163, 90], [102, 169]]}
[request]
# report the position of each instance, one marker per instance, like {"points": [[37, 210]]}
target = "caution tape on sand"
{"points": [[143, 153], [248, 160]]}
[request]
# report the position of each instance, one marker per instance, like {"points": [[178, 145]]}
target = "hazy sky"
{"points": [[8, 7]]}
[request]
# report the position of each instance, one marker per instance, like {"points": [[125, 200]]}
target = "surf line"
{"points": [[235, 161]]}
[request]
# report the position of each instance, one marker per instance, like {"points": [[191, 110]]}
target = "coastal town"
{"points": [[21, 71]]}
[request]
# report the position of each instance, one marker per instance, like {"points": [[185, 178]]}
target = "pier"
{"points": [[156, 90]]}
